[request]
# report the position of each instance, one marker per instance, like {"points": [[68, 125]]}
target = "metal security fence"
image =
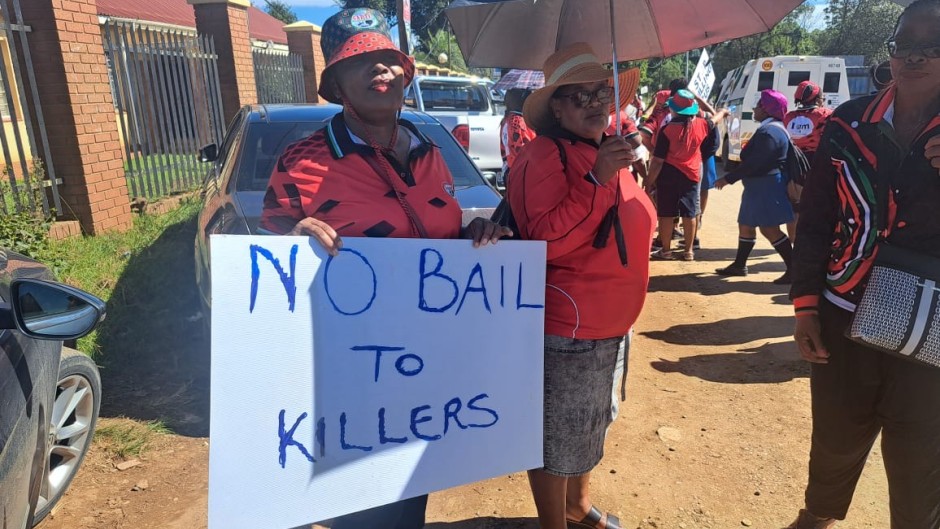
{"points": [[278, 77], [26, 184], [165, 84]]}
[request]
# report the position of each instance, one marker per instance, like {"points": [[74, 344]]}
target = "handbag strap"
{"points": [[380, 164], [417, 226]]}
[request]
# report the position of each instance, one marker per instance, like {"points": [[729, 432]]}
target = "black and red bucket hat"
{"points": [[353, 32]]}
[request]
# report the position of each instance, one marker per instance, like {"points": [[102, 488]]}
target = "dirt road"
{"points": [[714, 433]]}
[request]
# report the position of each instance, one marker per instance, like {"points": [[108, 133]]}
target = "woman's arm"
{"points": [[548, 208], [762, 157]]}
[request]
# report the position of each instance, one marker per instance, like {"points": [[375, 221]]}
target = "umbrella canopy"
{"points": [[522, 33], [527, 79]]}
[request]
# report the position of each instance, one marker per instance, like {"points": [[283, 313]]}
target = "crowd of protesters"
{"points": [[578, 179]]}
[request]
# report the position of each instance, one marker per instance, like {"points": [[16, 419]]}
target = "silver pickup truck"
{"points": [[465, 108]]}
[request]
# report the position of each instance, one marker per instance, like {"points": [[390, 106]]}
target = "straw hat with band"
{"points": [[353, 32], [574, 64], [683, 103]]}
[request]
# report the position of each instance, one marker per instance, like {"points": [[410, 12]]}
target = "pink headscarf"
{"points": [[774, 103]]}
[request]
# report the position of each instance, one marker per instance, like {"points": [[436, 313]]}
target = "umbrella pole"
{"points": [[613, 44]]}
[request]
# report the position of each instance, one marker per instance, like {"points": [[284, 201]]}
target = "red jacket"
{"points": [[589, 293], [806, 126], [327, 176]]}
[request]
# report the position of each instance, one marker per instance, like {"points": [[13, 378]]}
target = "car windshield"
{"points": [[452, 95], [264, 142]]}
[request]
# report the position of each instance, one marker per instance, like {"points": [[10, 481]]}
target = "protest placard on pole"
{"points": [[397, 368], [703, 79]]}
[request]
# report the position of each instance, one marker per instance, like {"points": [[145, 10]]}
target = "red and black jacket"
{"points": [[838, 230]]}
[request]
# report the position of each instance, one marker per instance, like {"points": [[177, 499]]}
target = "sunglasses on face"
{"points": [[903, 50], [583, 98]]}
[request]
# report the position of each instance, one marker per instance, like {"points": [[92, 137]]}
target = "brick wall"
{"points": [[303, 39], [228, 25], [319, 59], [72, 79]]}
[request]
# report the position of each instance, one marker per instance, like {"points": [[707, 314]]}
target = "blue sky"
{"points": [[317, 11]]}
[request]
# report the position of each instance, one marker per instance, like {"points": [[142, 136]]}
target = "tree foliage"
{"points": [[280, 10], [427, 16], [441, 41], [791, 36], [859, 27]]}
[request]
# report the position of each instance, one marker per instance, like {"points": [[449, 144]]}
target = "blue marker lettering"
{"points": [[519, 303], [476, 272], [342, 436], [422, 303], [321, 435], [326, 284], [400, 365], [286, 438], [470, 406], [383, 438], [415, 421], [502, 285], [286, 279], [379, 349], [451, 409]]}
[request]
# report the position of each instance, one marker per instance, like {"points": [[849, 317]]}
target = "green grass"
{"points": [[130, 272], [127, 438], [157, 175]]}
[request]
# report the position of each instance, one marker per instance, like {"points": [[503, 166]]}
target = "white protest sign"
{"points": [[703, 78], [398, 368]]}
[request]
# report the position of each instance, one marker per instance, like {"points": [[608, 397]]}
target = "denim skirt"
{"points": [[582, 383]]}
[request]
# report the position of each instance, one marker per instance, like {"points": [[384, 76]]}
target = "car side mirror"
{"points": [[53, 311], [410, 102], [209, 153]]}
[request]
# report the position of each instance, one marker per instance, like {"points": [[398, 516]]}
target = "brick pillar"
{"points": [[303, 38], [227, 22], [72, 81]]}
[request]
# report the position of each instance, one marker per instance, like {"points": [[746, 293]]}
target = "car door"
{"points": [[215, 204], [28, 370]]}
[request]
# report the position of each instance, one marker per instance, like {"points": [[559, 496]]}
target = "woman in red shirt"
{"points": [[806, 123], [572, 188], [514, 134], [367, 174]]}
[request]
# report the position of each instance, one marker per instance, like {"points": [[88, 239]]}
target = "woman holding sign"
{"points": [[367, 174], [572, 187]]}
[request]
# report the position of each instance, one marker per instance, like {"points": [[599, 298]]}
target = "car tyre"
{"points": [[72, 426]]}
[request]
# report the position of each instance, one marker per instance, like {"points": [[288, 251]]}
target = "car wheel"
{"points": [[73, 418]]}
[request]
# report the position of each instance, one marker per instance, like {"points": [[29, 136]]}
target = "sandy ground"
{"points": [[714, 433]]}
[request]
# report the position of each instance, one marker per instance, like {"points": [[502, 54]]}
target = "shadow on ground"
{"points": [[156, 355], [736, 331], [711, 284], [488, 522], [768, 363], [717, 255]]}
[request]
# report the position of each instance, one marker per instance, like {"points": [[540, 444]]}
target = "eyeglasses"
{"points": [[903, 51], [583, 98]]}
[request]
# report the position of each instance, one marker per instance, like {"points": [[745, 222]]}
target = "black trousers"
{"points": [[404, 514], [858, 394]]}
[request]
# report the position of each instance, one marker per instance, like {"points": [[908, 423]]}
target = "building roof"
{"points": [[261, 26]]}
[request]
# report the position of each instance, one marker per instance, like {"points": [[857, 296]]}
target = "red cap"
{"points": [[806, 92]]}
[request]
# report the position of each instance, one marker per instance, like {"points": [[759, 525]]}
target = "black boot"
{"points": [[739, 266], [785, 249]]}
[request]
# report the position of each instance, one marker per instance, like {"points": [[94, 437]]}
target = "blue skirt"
{"points": [[709, 173], [765, 202]]}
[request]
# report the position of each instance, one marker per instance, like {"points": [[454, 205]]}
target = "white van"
{"points": [[740, 91]]}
